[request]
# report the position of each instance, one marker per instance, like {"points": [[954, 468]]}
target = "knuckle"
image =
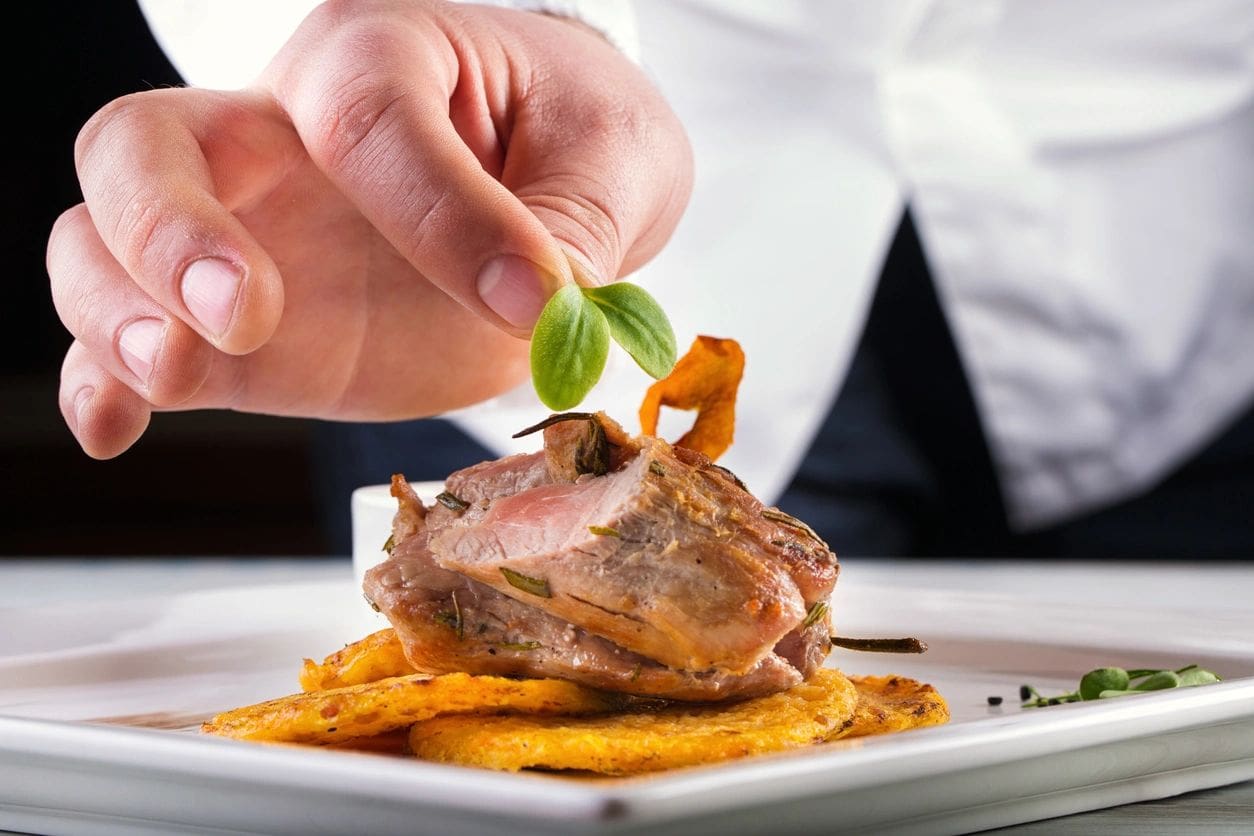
{"points": [[584, 204], [84, 307], [359, 99], [138, 219], [117, 117], [352, 119], [432, 220], [60, 237]]}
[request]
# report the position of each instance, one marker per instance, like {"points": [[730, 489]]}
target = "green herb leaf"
{"points": [[776, 515], [1108, 683], [452, 502], [1159, 682], [604, 531], [536, 586], [1103, 679], [638, 324], [568, 348], [390, 544], [816, 612], [1115, 692], [520, 645], [1196, 676]]}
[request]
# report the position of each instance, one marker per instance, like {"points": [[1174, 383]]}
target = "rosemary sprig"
{"points": [[815, 613], [535, 586], [452, 501], [776, 515], [904, 645]]}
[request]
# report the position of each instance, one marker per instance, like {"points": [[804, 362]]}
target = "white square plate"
{"points": [[99, 704]]}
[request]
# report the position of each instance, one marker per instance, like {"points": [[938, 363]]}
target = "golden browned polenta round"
{"points": [[377, 656], [629, 743], [340, 714], [893, 703]]}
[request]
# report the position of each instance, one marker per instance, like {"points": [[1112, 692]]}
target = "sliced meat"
{"points": [[673, 562], [484, 482], [623, 563], [447, 623]]}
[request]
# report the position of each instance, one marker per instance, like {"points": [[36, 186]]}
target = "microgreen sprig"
{"points": [[1111, 682], [571, 340]]}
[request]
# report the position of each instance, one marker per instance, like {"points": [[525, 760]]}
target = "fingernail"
{"points": [[514, 288], [81, 399], [210, 289], [138, 346]]}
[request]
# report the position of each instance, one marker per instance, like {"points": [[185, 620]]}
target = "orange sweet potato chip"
{"points": [[704, 379]]}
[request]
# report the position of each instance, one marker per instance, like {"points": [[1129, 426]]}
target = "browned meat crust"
{"points": [[621, 563]]}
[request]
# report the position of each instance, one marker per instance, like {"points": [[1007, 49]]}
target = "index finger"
{"points": [[158, 201]]}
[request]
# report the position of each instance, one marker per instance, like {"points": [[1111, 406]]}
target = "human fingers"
{"points": [[129, 334], [159, 172], [596, 153], [104, 414], [369, 94]]}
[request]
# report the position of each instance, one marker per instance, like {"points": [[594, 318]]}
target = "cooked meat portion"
{"points": [[622, 563], [450, 623]]}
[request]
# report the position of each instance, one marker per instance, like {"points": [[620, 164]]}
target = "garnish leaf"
{"points": [[815, 613], [604, 531], [1109, 683], [452, 501], [569, 346], [638, 323], [1103, 679], [536, 586], [1197, 676]]}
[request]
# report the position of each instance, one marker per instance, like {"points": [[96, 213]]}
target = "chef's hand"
{"points": [[365, 234]]}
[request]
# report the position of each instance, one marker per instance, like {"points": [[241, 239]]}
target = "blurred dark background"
{"points": [[197, 483], [901, 467]]}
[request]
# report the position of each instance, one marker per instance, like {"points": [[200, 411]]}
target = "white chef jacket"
{"points": [[1081, 175]]}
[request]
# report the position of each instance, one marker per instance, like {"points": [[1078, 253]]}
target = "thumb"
{"points": [[377, 125], [597, 155]]}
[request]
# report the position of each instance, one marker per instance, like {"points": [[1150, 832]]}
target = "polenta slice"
{"points": [[644, 741], [889, 704], [377, 656], [357, 711]]}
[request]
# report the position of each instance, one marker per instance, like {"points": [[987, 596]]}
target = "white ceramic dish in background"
{"points": [[80, 683]]}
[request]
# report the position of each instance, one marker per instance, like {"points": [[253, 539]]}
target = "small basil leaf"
{"points": [[1110, 695], [638, 324], [1103, 679], [1159, 681], [1197, 676], [568, 348]]}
